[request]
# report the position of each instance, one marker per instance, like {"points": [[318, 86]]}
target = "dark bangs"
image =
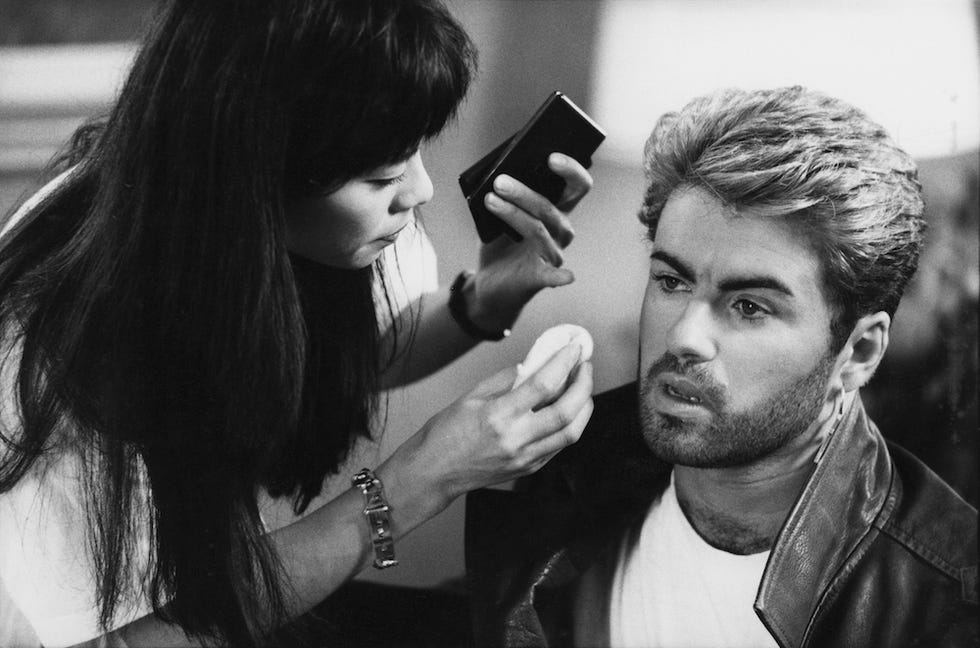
{"points": [[382, 91]]}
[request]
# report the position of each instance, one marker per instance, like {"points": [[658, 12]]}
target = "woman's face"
{"points": [[349, 227]]}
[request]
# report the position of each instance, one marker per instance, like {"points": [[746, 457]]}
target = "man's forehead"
{"points": [[713, 242]]}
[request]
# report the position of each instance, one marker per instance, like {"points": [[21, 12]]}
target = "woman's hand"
{"points": [[511, 273], [494, 434]]}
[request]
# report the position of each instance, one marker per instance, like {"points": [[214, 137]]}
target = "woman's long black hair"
{"points": [[158, 315]]}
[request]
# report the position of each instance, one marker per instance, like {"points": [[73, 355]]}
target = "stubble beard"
{"points": [[730, 439]]}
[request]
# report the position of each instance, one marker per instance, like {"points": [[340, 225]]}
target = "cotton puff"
{"points": [[548, 344]]}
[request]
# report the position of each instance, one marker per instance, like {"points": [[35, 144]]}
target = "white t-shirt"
{"points": [[674, 590], [47, 590]]}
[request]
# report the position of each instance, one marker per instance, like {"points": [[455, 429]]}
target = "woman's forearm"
{"points": [[319, 552], [438, 340]]}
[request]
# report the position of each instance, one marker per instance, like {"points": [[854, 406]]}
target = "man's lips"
{"points": [[682, 389]]}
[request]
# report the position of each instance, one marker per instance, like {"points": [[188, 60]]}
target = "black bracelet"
{"points": [[457, 308]]}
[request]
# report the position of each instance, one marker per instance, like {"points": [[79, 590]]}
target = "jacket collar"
{"points": [[847, 491]]}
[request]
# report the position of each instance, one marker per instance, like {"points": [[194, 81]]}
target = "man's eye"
{"points": [[749, 309], [669, 283]]}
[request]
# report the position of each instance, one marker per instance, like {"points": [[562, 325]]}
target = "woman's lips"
{"points": [[391, 238]]}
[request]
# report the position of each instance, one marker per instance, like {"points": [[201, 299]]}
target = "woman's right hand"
{"points": [[494, 434]]}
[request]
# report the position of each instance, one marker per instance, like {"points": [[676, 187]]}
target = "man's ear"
{"points": [[864, 350]]}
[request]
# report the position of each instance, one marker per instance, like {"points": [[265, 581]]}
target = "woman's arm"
{"points": [[509, 274], [438, 340], [490, 435]]}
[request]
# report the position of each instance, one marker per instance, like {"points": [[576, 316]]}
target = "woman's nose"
{"points": [[418, 188]]}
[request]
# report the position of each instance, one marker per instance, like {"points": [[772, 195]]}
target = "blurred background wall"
{"points": [[912, 64]]}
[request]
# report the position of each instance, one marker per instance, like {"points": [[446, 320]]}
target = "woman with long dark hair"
{"points": [[190, 320]]}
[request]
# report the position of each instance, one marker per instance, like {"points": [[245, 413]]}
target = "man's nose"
{"points": [[691, 338]]}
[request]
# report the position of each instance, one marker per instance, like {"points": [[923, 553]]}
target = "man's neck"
{"points": [[735, 512], [741, 510]]}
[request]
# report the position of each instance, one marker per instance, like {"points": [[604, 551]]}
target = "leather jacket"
{"points": [[877, 551]]}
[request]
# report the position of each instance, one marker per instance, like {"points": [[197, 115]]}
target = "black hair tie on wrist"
{"points": [[457, 308]]}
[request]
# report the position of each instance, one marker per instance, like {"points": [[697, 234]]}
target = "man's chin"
{"points": [[688, 443], [674, 440]]}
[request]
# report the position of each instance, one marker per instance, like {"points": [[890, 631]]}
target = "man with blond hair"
{"points": [[738, 495]]}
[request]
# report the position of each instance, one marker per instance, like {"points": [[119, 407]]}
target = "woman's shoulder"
{"points": [[45, 562], [37, 198]]}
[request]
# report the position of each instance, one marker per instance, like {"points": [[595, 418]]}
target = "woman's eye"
{"points": [[749, 309], [387, 182]]}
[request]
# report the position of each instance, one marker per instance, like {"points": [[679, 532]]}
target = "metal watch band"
{"points": [[376, 511]]}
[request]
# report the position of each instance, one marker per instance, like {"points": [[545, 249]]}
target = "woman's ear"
{"points": [[864, 350]]}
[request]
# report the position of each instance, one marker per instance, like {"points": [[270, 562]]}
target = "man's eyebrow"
{"points": [[727, 285], [679, 266], [754, 283]]}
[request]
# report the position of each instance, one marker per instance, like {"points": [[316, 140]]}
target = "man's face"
{"points": [[734, 335]]}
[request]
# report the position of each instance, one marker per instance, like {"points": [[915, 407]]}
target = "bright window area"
{"points": [[911, 64]]}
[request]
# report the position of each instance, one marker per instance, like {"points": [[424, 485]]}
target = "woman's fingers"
{"points": [[546, 384], [536, 206], [496, 385], [554, 427], [545, 449], [533, 215], [566, 419], [549, 276], [578, 181], [516, 214], [493, 434], [562, 414]]}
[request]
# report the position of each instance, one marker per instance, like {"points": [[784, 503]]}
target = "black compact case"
{"points": [[558, 126]]}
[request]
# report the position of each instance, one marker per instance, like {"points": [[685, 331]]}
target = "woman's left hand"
{"points": [[511, 273]]}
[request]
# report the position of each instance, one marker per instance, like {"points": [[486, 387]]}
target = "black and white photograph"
{"points": [[489, 323]]}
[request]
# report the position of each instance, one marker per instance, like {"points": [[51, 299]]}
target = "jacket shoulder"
{"points": [[523, 547], [611, 453], [934, 522]]}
